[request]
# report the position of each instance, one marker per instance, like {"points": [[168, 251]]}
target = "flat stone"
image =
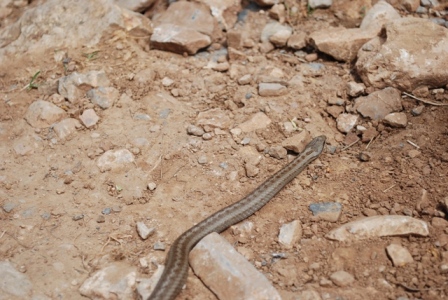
{"points": [[215, 118], [42, 114], [143, 231], [399, 255], [398, 120], [227, 273], [281, 37], [290, 234], [273, 28], [13, 283], [399, 60], [114, 159], [89, 118], [346, 122], [355, 89], [271, 89], [257, 121], [116, 281], [104, 97], [297, 142], [297, 40], [66, 127], [327, 211], [74, 86], [381, 13], [378, 226], [335, 110], [342, 278], [379, 104]]}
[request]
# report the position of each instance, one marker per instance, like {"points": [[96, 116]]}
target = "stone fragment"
{"points": [[381, 13], [215, 118], [145, 77], [104, 97], [297, 142], [327, 211], [185, 27], [410, 5], [89, 118], [271, 89], [235, 55], [66, 127], [281, 37], [341, 43], [143, 231], [159, 246], [399, 60], [234, 39], [42, 114], [290, 234], [195, 130], [27, 144], [273, 28], [417, 111], [257, 121], [297, 40], [114, 159], [398, 120], [369, 134], [245, 79], [278, 12], [8, 206], [342, 278], [250, 155], [74, 86], [227, 273], [439, 222], [379, 104], [346, 122], [399, 255], [378, 226], [135, 5], [251, 170], [116, 281], [335, 110], [145, 286], [278, 152], [355, 89], [13, 284]]}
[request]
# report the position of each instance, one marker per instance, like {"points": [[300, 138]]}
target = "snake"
{"points": [[175, 272]]}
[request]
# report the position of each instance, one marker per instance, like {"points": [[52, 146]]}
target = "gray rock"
{"points": [[143, 231], [271, 89], [116, 281], [13, 283], [399, 255], [346, 122], [342, 278], [297, 40], [9, 206], [320, 3], [104, 97], [135, 5], [297, 142], [379, 104], [115, 159], [28, 144], [73, 87], [42, 114], [290, 234], [328, 211], [278, 152], [273, 28], [159, 246], [195, 130], [227, 273], [89, 117], [66, 127], [381, 13], [398, 120], [355, 89]]}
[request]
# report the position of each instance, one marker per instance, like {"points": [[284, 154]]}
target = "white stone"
{"points": [[290, 234], [399, 255], [73, 86], [114, 159], [13, 283], [66, 127], [143, 231], [42, 114], [89, 117], [346, 122]]}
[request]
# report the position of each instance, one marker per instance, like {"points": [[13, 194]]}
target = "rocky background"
{"points": [[124, 123]]}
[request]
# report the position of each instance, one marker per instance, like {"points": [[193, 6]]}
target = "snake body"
{"points": [[175, 273]]}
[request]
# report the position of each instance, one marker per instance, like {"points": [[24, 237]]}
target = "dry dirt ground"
{"points": [[41, 237]]}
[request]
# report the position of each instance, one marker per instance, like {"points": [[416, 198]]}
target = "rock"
{"points": [[379, 104], [27, 144], [271, 89], [85, 25], [215, 118], [381, 13], [319, 3], [146, 286], [116, 281], [378, 226], [251, 170], [335, 111], [257, 121], [66, 127], [250, 155], [89, 118], [369, 134], [74, 86], [340, 43], [195, 130], [439, 222], [273, 28], [159, 246], [225, 12], [399, 255], [342, 278], [297, 142], [278, 152], [135, 5], [143, 231], [145, 77], [42, 114], [13, 283], [281, 37], [396, 62], [327, 211], [8, 206], [114, 159], [185, 27], [290, 234], [398, 120], [297, 40], [411, 5], [227, 273], [278, 12], [417, 111], [355, 89], [346, 122], [104, 97]]}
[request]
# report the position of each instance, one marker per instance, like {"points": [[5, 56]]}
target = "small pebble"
{"points": [[364, 156], [101, 219], [152, 186], [106, 211], [159, 246], [202, 160], [207, 136], [46, 215], [195, 130], [143, 231], [78, 217]]}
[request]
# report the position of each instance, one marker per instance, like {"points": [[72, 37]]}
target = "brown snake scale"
{"points": [[175, 273]]}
